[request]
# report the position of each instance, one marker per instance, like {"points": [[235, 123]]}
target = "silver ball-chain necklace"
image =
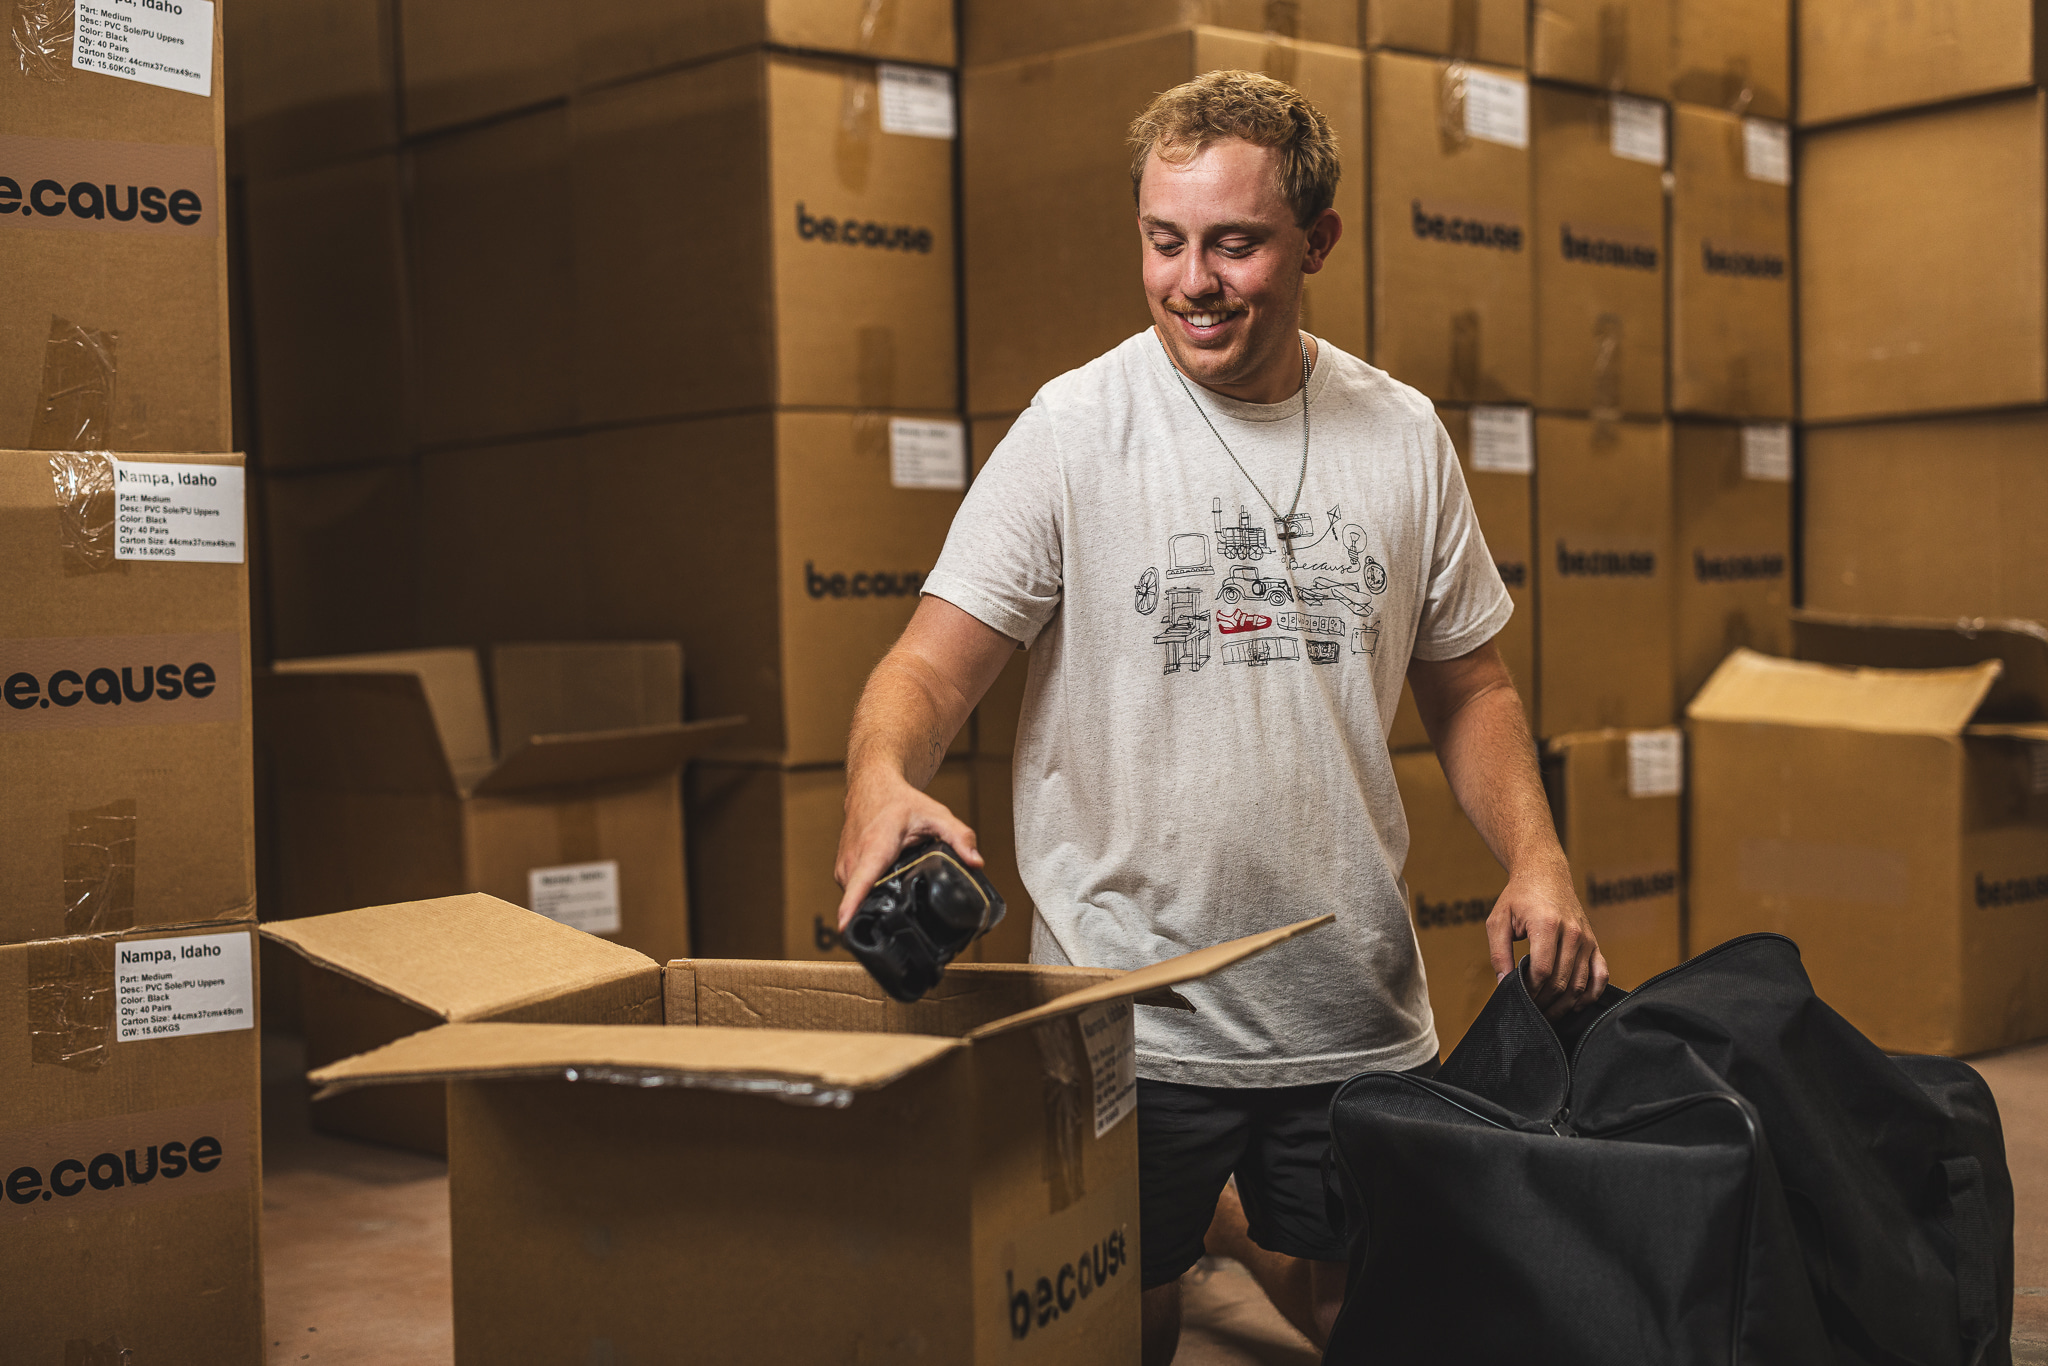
{"points": [[1287, 522]]}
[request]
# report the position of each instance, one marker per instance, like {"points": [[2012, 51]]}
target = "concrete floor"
{"points": [[355, 1254]]}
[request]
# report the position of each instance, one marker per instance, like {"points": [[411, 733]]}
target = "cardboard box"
{"points": [[1492, 31], [466, 62], [1060, 120], [996, 32], [1732, 521], [340, 559], [1603, 574], [799, 568], [1499, 480], [995, 830], [113, 316], [586, 1217], [1453, 282], [1731, 271], [1927, 519], [326, 271], [1600, 252], [389, 785], [1731, 54], [374, 975], [133, 1207], [125, 806], [763, 841], [1452, 880], [309, 82], [1857, 58], [1616, 798], [1895, 318], [1919, 920]]}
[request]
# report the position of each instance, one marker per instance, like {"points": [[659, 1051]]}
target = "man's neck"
{"points": [[1278, 381]]}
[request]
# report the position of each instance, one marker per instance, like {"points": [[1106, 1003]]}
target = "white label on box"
{"points": [[1656, 763], [1496, 108], [1767, 452], [927, 455], [1500, 440], [168, 988], [1109, 1036], [2040, 770], [916, 101], [583, 896], [1767, 151], [177, 512], [166, 43], [1637, 129]]}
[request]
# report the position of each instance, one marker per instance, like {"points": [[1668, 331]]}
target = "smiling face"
{"points": [[1224, 267]]}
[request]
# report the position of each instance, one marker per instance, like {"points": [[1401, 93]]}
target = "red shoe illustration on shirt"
{"points": [[1236, 623]]}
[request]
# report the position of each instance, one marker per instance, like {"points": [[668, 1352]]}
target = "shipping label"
{"points": [[189, 513], [583, 896], [80, 185], [1496, 108], [916, 101], [1656, 762], [1767, 151], [1636, 129], [1501, 440], [927, 455], [169, 988], [167, 43], [58, 683], [1110, 1039], [126, 1160], [1767, 451]]}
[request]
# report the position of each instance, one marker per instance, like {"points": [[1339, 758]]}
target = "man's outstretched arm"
{"points": [[1474, 718], [915, 702]]}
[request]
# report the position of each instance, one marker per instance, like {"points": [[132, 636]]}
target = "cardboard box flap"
{"points": [[461, 957], [1142, 982], [353, 732], [2020, 694], [555, 760], [577, 687], [2034, 731], [1753, 687], [820, 1067], [454, 685]]}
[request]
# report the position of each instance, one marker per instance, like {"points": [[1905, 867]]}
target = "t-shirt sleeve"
{"points": [[1002, 560], [1467, 603]]}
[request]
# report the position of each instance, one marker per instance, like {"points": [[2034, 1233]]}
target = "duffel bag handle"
{"points": [[1969, 1221]]}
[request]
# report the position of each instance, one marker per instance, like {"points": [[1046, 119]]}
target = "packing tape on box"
{"points": [[1065, 1071], [1451, 80], [84, 482], [42, 32], [875, 372], [1283, 19], [1466, 357], [1613, 46], [859, 116], [71, 1002], [1607, 353], [877, 22], [99, 868], [75, 408], [1465, 29], [1281, 58]]}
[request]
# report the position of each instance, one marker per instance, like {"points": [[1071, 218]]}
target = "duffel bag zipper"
{"points": [[1572, 1063]]}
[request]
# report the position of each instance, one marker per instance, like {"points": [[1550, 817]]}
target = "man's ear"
{"points": [[1322, 239]]}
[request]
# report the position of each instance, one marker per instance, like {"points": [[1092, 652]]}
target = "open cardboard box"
{"points": [[795, 1167], [1893, 820], [390, 787]]}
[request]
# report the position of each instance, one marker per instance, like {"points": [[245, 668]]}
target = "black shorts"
{"points": [[1192, 1139]]}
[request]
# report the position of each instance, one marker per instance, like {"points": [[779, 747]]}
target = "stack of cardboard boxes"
{"points": [[130, 1174]]}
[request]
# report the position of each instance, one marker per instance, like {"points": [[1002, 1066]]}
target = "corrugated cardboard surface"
{"points": [[1734, 54], [563, 687], [1731, 274], [1624, 852], [2018, 696], [1927, 519], [160, 289], [1859, 58], [1733, 575], [1919, 918], [1060, 120], [119, 813], [309, 81], [753, 540], [340, 559], [163, 1269], [1491, 31], [1505, 506], [1451, 318], [763, 841], [997, 32], [1923, 262], [1603, 574], [1600, 261], [1453, 881]]}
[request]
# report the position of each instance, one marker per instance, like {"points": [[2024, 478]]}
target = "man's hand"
{"points": [[882, 818], [1566, 968]]}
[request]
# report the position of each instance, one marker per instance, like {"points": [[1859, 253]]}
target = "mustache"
{"points": [[1226, 309]]}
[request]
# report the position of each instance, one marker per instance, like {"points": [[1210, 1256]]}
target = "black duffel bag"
{"points": [[1715, 1167]]}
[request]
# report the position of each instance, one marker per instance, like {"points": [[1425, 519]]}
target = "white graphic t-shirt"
{"points": [[1203, 747]]}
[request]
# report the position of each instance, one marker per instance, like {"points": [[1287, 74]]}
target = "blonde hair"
{"points": [[1179, 123]]}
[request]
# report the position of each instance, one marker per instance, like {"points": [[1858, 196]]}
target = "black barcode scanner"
{"points": [[919, 917]]}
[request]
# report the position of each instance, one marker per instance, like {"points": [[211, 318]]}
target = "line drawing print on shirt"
{"points": [[1185, 631], [1323, 626], [1298, 532], [1243, 541], [1348, 596], [1188, 553], [1245, 582], [1322, 652], [1262, 651], [1365, 640], [1147, 592], [1237, 623], [1375, 576]]}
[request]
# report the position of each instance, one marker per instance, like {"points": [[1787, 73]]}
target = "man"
{"points": [[1226, 544]]}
